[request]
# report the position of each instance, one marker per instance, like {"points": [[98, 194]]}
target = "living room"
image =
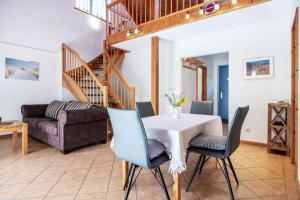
{"points": [[67, 74]]}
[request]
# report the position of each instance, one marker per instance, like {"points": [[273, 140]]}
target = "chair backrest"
{"points": [[202, 107], [145, 109], [234, 136], [130, 141]]}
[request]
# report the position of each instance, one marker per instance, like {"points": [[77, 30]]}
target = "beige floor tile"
{"points": [[275, 198], [209, 191], [278, 184], [115, 184], [191, 195], [292, 194], [22, 177], [10, 191], [82, 163], [264, 173], [66, 188], [103, 163], [240, 191], [261, 188], [94, 186], [150, 192], [34, 190], [94, 196], [246, 163], [60, 197], [244, 175], [120, 195], [75, 174], [116, 171], [86, 174], [101, 172]]}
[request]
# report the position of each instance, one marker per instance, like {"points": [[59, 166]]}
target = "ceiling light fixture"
{"points": [[234, 2], [217, 5], [133, 32], [201, 11], [187, 16]]}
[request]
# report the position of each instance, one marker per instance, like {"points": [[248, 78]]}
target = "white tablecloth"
{"points": [[175, 134]]}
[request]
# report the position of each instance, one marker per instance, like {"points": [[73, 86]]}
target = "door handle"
{"points": [[221, 95]]}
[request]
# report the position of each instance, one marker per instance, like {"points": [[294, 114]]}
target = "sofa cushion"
{"points": [[54, 108], [209, 142], [49, 127], [73, 105], [33, 121]]}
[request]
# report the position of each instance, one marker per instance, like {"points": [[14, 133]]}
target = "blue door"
{"points": [[223, 92]]}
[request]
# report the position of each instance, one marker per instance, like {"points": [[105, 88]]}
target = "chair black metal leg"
{"points": [[227, 179], [129, 182], [233, 171], [126, 181], [163, 183], [187, 156], [194, 172], [202, 164]]}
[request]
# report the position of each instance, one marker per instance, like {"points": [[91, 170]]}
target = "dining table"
{"points": [[175, 134]]}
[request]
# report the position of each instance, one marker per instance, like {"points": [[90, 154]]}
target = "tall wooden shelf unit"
{"points": [[278, 127]]}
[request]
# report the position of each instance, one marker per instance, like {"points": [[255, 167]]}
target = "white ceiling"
{"points": [[260, 13]]}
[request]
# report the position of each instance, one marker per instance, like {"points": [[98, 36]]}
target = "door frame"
{"points": [[218, 95], [195, 64], [294, 88]]}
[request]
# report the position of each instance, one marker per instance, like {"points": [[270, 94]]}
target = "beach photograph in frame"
{"points": [[258, 68], [21, 70]]}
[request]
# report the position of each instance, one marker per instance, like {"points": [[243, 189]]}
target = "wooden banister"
{"points": [[118, 72], [119, 86], [77, 69]]}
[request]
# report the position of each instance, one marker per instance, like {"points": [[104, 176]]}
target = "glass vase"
{"points": [[176, 113]]}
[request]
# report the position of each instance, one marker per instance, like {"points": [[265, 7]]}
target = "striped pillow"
{"points": [[72, 105], [54, 108]]}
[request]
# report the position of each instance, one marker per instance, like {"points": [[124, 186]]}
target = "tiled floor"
{"points": [[94, 173]]}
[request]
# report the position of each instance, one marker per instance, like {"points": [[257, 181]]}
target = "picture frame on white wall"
{"points": [[261, 67]]}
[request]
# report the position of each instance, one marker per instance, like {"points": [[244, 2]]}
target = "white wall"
{"points": [[188, 87], [265, 39], [14, 93], [136, 67], [46, 24]]}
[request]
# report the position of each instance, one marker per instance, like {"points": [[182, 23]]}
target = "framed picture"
{"points": [[258, 67], [21, 69]]}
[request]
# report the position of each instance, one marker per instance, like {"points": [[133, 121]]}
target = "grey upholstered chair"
{"points": [[145, 109], [219, 147], [202, 107], [132, 145]]}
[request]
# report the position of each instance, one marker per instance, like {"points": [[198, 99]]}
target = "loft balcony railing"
{"points": [[96, 8], [127, 15]]}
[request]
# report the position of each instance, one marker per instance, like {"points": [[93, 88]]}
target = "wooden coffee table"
{"points": [[14, 128]]}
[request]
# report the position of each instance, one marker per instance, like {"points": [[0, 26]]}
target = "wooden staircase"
{"points": [[99, 81]]}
